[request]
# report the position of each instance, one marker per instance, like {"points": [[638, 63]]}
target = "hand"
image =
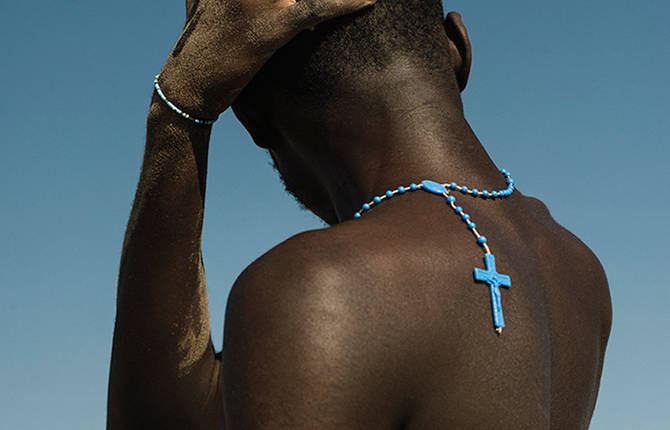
{"points": [[225, 42]]}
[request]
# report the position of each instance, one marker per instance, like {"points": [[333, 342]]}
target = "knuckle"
{"points": [[261, 34], [318, 9]]}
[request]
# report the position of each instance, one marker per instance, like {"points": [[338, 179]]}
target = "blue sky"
{"points": [[571, 96]]}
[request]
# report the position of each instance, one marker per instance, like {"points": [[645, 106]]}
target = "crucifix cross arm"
{"points": [[490, 276]]}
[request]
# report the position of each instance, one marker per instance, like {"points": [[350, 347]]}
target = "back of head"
{"points": [[348, 55], [336, 84]]}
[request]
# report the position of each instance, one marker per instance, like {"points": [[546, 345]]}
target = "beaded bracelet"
{"points": [[176, 109]]}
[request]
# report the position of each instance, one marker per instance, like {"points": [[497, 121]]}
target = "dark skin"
{"points": [[367, 324]]}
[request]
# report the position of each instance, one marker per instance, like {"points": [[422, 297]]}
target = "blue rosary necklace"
{"points": [[489, 275]]}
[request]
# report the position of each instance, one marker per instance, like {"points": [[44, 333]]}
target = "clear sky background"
{"points": [[571, 96]]}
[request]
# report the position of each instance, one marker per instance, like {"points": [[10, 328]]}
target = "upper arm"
{"points": [[295, 353]]}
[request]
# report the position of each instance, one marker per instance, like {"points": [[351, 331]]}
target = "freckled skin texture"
{"points": [[373, 323]]}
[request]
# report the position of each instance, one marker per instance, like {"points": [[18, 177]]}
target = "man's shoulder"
{"points": [[313, 264], [297, 336], [576, 262], [336, 261], [341, 276]]}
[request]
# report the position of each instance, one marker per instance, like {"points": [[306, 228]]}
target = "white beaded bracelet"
{"points": [[176, 109]]}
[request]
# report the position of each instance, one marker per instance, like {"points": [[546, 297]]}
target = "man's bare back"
{"points": [[384, 312], [374, 323]]}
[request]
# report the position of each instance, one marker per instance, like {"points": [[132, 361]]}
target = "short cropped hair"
{"points": [[315, 63], [308, 74]]}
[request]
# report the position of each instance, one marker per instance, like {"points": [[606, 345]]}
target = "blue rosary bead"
{"points": [[413, 186], [465, 217], [401, 190], [481, 240], [451, 199], [357, 215], [458, 210], [377, 199], [433, 187], [389, 193], [485, 193], [472, 225], [366, 206]]}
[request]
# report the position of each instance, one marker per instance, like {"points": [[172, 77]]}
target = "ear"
{"points": [[459, 47]]}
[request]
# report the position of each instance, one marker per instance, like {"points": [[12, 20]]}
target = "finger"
{"points": [[190, 8], [307, 13]]}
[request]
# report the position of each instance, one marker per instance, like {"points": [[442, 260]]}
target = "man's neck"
{"points": [[398, 147], [384, 130]]}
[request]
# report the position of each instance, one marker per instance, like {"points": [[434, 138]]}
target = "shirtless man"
{"points": [[371, 323]]}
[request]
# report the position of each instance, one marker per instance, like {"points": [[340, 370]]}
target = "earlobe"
{"points": [[459, 47]]}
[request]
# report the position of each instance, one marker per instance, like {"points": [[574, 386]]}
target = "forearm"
{"points": [[164, 373], [163, 368]]}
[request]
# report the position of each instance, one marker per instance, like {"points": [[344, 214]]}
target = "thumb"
{"points": [[190, 8], [305, 14]]}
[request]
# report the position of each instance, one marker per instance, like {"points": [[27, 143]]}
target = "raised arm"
{"points": [[164, 371]]}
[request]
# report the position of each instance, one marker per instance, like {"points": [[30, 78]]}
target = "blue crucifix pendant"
{"points": [[495, 281]]}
